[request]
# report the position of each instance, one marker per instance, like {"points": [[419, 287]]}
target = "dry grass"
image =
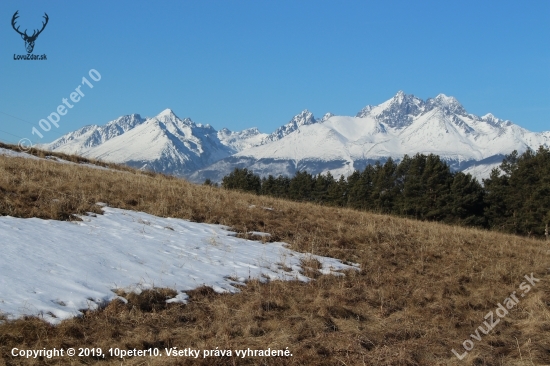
{"points": [[422, 290]]}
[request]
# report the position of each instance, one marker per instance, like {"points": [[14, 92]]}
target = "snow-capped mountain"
{"points": [[241, 140], [402, 125], [81, 140], [303, 119], [164, 143], [396, 112]]}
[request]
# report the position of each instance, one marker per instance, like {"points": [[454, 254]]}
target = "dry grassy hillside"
{"points": [[422, 290]]}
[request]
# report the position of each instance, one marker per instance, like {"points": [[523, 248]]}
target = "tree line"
{"points": [[515, 198]]}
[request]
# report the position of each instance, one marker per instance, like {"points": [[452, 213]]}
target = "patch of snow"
{"points": [[16, 154], [55, 269], [259, 233]]}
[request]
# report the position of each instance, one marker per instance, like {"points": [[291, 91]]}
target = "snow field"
{"points": [[55, 269]]}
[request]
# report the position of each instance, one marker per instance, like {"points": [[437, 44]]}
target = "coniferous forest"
{"points": [[514, 199]]}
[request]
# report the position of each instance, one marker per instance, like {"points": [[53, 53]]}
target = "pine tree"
{"points": [[301, 186], [438, 179], [518, 195], [529, 192], [268, 186], [242, 179], [466, 206], [282, 187], [360, 189], [384, 189], [320, 187], [338, 192], [497, 212], [423, 183], [411, 186]]}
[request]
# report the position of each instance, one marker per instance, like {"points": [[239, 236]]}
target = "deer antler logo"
{"points": [[29, 40]]}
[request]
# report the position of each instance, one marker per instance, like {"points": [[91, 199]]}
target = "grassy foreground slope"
{"points": [[422, 290]]}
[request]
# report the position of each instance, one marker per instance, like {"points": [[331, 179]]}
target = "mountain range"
{"points": [[402, 125]]}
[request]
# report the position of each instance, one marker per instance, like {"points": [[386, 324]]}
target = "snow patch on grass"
{"points": [[56, 269]]}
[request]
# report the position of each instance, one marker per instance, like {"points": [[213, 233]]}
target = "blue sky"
{"points": [[240, 64]]}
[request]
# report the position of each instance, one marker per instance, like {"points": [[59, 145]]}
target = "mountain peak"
{"points": [[495, 121], [168, 116], [167, 113], [399, 96], [443, 99], [448, 104], [87, 137], [241, 140], [326, 117], [397, 112], [303, 118], [365, 111], [401, 109]]}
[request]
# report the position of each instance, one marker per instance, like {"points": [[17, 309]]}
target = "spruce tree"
{"points": [[242, 179], [466, 206], [301, 186]]}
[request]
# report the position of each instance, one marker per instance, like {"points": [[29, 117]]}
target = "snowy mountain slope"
{"points": [[71, 266], [164, 143], [302, 119], [241, 140], [396, 112], [482, 171], [402, 125], [81, 140]]}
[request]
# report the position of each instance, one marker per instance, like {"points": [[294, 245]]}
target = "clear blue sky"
{"points": [[239, 64]]}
